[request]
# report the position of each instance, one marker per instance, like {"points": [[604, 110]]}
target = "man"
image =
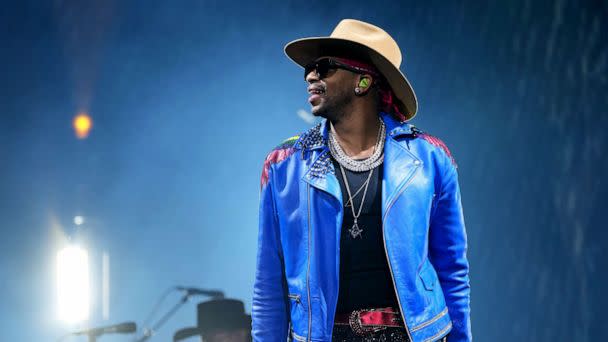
{"points": [[361, 232]]}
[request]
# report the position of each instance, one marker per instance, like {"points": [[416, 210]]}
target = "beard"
{"points": [[334, 107]]}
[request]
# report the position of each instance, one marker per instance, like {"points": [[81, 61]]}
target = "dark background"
{"points": [[187, 97]]}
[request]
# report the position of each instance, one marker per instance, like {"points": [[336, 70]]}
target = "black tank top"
{"points": [[365, 278]]}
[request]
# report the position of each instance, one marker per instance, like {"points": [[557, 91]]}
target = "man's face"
{"points": [[331, 94]]}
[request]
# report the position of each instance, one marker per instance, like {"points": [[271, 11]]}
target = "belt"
{"points": [[364, 322]]}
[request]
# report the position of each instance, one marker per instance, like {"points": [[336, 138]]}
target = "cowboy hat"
{"points": [[217, 315], [358, 39]]}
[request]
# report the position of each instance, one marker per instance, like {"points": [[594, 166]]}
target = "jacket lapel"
{"points": [[321, 173], [400, 164]]}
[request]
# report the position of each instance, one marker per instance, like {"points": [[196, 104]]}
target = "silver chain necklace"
{"points": [[355, 230], [351, 164], [348, 203]]}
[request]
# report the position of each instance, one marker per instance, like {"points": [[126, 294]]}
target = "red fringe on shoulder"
{"points": [[276, 156], [438, 142]]}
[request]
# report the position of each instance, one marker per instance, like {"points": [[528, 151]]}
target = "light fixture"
{"points": [[73, 287]]}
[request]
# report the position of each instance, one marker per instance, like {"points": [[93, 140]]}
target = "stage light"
{"points": [[82, 125], [78, 220], [73, 284]]}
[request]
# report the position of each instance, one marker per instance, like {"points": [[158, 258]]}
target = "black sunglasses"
{"points": [[325, 65]]}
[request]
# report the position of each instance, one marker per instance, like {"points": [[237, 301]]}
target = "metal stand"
{"points": [[162, 320]]}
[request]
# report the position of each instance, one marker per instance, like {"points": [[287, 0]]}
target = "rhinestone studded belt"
{"points": [[369, 321]]}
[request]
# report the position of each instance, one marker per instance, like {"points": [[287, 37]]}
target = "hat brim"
{"points": [[185, 333], [305, 50]]}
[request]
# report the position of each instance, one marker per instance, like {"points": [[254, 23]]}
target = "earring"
{"points": [[358, 91]]}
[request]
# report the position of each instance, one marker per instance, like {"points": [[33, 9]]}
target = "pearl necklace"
{"points": [[354, 165]]}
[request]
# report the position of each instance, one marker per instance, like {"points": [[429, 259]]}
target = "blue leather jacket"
{"points": [[301, 207]]}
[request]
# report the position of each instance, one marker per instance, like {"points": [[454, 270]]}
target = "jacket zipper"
{"points": [[309, 337], [430, 321], [295, 297], [308, 288], [339, 262], [388, 259]]}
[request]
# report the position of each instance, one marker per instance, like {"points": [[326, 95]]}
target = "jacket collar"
{"points": [[395, 128], [316, 137]]}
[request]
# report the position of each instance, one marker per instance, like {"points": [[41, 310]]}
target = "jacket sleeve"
{"points": [[447, 253], [269, 304]]}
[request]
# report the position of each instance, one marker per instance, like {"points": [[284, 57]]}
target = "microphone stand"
{"points": [[162, 320], [94, 333]]}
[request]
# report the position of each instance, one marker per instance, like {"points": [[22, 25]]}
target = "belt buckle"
{"points": [[354, 321]]}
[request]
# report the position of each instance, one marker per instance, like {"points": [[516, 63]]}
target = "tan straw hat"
{"points": [[360, 40]]}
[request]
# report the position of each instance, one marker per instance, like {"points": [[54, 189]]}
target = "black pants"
{"points": [[343, 333]]}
